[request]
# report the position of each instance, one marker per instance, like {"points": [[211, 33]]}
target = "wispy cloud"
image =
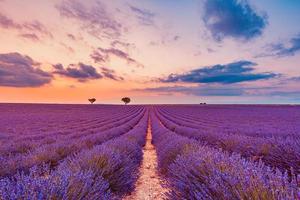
{"points": [[80, 71], [226, 91], [71, 36], [102, 55], [36, 26], [204, 90], [67, 47], [290, 48], [30, 36], [117, 44], [235, 72], [95, 19], [233, 18], [84, 73], [32, 30], [111, 74], [17, 70], [144, 16], [297, 78], [6, 22]]}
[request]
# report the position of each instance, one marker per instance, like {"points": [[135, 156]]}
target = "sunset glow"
{"points": [[66, 51]]}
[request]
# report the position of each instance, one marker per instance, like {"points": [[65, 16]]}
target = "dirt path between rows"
{"points": [[148, 186]]}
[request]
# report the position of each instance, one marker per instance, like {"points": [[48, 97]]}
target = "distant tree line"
{"points": [[126, 100]]}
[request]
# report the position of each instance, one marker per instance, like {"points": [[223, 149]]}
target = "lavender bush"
{"points": [[104, 170], [204, 152], [276, 150], [195, 171]]}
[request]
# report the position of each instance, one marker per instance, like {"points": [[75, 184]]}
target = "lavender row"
{"points": [[194, 171], [107, 171], [250, 120], [276, 152], [53, 153], [64, 123], [25, 145]]}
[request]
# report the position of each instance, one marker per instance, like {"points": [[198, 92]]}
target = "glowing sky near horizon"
{"points": [[171, 51]]}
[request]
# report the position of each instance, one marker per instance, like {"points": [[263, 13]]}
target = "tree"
{"points": [[126, 100], [92, 100]]}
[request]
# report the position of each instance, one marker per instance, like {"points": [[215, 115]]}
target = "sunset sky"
{"points": [[154, 51]]}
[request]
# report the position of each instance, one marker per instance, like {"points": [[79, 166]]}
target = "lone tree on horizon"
{"points": [[92, 100], [126, 100]]}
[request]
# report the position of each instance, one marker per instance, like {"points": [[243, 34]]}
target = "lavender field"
{"points": [[96, 151]]}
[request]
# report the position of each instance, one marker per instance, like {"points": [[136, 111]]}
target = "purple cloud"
{"points": [[95, 19], [28, 30], [80, 71], [71, 36], [123, 45], [36, 26], [145, 17], [99, 57], [30, 36], [6, 22], [197, 90], [58, 67], [83, 72], [103, 55], [281, 49], [176, 37], [233, 18], [296, 78], [17, 70], [111, 74], [219, 90], [236, 72], [67, 47]]}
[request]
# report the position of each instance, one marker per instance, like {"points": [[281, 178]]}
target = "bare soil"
{"points": [[149, 185]]}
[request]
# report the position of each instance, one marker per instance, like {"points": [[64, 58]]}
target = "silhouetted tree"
{"points": [[92, 100], [126, 100]]}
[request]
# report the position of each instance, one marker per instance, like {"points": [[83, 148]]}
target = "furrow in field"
{"points": [[53, 154], [282, 154], [149, 184], [23, 146], [106, 171], [195, 171]]}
